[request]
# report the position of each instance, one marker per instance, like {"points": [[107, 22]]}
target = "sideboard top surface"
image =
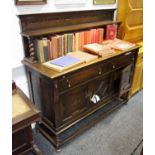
{"points": [[50, 73]]}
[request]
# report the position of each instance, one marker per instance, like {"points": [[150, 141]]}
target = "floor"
{"points": [[120, 133]]}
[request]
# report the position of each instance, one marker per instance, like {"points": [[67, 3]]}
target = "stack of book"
{"points": [[118, 44], [108, 47], [98, 49]]}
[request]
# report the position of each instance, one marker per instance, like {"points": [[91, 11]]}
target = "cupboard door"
{"points": [[100, 89], [73, 103]]}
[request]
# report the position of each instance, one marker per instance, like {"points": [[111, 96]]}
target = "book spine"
{"points": [[41, 51], [45, 49], [71, 42], [36, 46], [54, 47], [85, 37], [62, 45], [51, 48], [76, 41], [59, 46], [65, 44]]}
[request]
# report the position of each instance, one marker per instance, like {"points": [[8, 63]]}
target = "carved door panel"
{"points": [[73, 103], [100, 89]]}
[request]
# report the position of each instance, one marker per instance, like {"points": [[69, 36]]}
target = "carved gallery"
{"points": [[77, 77]]}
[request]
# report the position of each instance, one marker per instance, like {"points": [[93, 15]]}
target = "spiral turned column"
{"points": [[32, 55]]}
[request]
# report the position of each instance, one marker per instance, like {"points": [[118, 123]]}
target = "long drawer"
{"points": [[93, 71], [121, 61], [81, 76]]}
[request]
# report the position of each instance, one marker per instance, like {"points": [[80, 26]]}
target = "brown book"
{"points": [[65, 44], [98, 49], [41, 51], [54, 47], [84, 56], [76, 44], [81, 40]]}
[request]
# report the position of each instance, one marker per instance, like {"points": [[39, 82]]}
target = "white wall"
{"points": [[18, 54]]}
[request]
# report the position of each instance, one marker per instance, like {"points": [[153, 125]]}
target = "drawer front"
{"points": [[121, 61], [68, 81]]}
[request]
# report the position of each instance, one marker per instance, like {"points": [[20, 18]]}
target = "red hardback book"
{"points": [[93, 32], [111, 32]]}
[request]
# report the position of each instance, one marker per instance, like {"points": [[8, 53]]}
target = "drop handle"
{"points": [[69, 85], [99, 70], [113, 66]]}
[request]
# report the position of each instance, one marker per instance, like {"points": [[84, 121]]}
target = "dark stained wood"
{"points": [[63, 29], [35, 22], [22, 137], [69, 96], [68, 99]]}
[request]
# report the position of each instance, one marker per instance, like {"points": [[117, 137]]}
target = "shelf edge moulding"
{"points": [[57, 2]]}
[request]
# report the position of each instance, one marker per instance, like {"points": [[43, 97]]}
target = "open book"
{"points": [[83, 56], [63, 63]]}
